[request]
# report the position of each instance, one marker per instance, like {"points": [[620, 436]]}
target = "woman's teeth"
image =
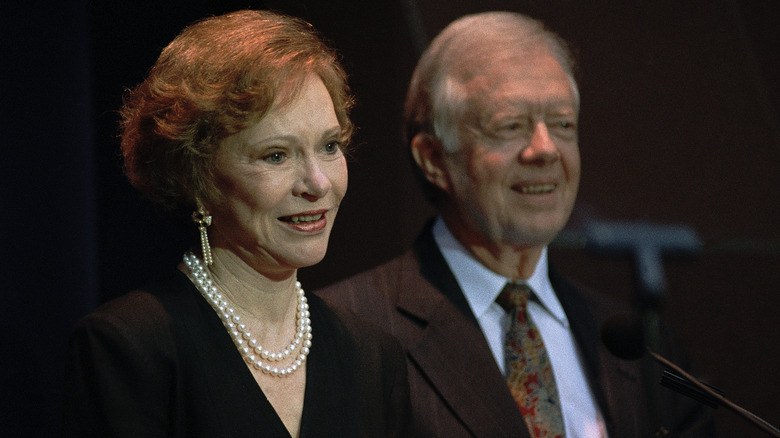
{"points": [[304, 218]]}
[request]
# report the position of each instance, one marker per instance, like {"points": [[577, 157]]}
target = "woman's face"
{"points": [[281, 181]]}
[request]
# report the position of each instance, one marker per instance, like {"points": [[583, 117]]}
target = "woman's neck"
{"points": [[253, 294]]}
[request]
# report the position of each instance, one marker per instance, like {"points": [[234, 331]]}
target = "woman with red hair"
{"points": [[240, 126]]}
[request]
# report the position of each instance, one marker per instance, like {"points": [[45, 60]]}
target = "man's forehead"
{"points": [[519, 91], [476, 57]]}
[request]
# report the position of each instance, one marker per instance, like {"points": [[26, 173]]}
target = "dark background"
{"points": [[679, 125]]}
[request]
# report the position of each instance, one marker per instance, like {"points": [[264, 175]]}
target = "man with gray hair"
{"points": [[498, 343]]}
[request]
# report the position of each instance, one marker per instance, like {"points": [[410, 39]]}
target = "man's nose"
{"points": [[541, 148]]}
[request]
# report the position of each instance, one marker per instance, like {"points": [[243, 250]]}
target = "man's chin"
{"points": [[532, 236]]}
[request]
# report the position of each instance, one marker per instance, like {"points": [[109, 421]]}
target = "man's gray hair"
{"points": [[436, 97]]}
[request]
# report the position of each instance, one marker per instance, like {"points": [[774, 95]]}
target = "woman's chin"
{"points": [[309, 258]]}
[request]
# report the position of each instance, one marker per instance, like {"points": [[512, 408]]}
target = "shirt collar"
{"points": [[481, 286]]}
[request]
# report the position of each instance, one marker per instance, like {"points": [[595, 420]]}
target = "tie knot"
{"points": [[513, 296]]}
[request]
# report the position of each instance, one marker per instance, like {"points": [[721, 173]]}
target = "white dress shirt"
{"points": [[481, 286]]}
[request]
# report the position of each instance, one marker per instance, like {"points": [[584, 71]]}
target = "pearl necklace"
{"points": [[251, 350]]}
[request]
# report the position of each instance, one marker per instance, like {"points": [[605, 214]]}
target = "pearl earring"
{"points": [[203, 220]]}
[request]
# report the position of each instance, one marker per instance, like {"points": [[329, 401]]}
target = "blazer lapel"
{"points": [[450, 345], [613, 382], [583, 324]]}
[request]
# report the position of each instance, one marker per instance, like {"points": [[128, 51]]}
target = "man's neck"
{"points": [[515, 262], [511, 262]]}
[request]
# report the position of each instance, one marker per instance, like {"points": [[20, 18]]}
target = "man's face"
{"points": [[514, 178]]}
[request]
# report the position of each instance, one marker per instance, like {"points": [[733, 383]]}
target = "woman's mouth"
{"points": [[306, 222], [303, 218]]}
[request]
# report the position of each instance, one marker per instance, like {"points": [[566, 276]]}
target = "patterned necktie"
{"points": [[529, 373]]}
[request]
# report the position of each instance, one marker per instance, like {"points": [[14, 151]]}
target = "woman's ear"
{"points": [[428, 153]]}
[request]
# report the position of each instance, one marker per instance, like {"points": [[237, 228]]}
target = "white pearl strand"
{"points": [[253, 353]]}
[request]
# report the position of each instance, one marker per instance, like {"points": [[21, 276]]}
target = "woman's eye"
{"points": [[332, 147], [275, 157]]}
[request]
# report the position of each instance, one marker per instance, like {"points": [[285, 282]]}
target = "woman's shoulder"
{"points": [[148, 308]]}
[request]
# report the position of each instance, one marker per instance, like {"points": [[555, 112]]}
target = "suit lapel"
{"points": [[612, 381], [583, 324], [450, 345]]}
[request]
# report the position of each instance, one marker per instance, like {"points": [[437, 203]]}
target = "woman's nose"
{"points": [[314, 183]]}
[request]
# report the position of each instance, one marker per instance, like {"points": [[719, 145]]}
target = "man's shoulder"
{"points": [[384, 278], [575, 296], [380, 293]]}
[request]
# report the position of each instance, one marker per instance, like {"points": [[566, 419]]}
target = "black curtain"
{"points": [[48, 227]]}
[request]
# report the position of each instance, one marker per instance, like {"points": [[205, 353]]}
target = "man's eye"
{"points": [[516, 125], [562, 126]]}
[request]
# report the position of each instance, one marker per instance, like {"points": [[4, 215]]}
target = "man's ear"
{"points": [[428, 153]]}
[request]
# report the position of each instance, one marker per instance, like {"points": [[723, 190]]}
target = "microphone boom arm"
{"points": [[712, 394]]}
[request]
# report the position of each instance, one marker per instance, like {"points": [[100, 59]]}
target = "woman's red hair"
{"points": [[216, 78]]}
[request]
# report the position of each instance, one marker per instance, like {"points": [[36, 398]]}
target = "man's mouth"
{"points": [[304, 218], [537, 189]]}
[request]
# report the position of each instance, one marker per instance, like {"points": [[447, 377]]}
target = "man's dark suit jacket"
{"points": [[457, 389]]}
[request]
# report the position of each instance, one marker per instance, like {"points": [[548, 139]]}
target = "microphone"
{"points": [[623, 336]]}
